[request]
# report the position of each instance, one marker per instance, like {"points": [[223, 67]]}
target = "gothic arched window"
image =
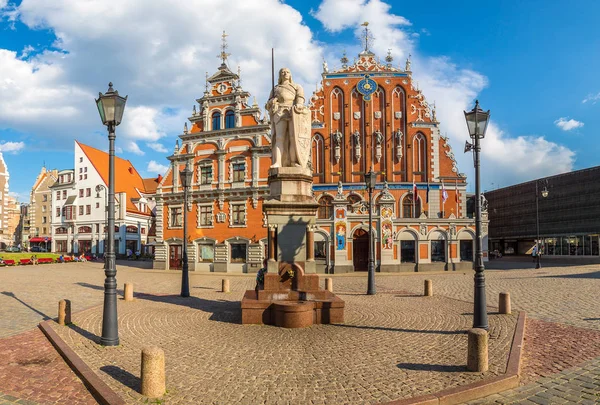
{"points": [[408, 210], [325, 207], [317, 154]]}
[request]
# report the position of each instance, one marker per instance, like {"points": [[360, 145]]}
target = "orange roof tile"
{"points": [[127, 179], [151, 184]]}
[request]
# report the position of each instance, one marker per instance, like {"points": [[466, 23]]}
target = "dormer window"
{"points": [[216, 120]]}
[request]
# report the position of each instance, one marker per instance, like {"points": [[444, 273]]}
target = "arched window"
{"points": [[410, 211], [325, 207], [216, 120], [84, 229], [317, 154], [229, 119]]}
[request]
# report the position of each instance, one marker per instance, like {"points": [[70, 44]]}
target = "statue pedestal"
{"points": [[291, 296]]}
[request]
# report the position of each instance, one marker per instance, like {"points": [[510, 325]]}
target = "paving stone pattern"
{"points": [[566, 295], [378, 355], [32, 372]]}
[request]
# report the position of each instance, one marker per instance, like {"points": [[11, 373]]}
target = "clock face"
{"points": [[366, 87]]}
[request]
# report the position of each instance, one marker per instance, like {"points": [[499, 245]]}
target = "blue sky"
{"points": [[534, 64]]}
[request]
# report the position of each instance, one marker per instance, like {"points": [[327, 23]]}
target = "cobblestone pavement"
{"points": [[32, 372], [565, 295], [381, 353]]}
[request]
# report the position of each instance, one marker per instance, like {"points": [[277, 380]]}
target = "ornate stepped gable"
{"points": [[372, 113]]}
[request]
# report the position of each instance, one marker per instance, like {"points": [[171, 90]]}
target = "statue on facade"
{"points": [[290, 123]]}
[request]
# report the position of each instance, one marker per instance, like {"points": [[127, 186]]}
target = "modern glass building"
{"points": [[566, 207]]}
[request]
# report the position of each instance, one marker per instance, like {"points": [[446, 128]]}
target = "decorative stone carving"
{"points": [[221, 217], [337, 140], [336, 116], [357, 149], [378, 145], [356, 115], [290, 123], [398, 135], [340, 191], [398, 115], [423, 229], [377, 114]]}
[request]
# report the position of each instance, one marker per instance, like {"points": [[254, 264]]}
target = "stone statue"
{"points": [[290, 123]]}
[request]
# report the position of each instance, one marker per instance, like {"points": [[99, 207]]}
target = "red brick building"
{"points": [[364, 115]]}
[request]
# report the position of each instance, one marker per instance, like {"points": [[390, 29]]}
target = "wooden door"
{"points": [[175, 252], [360, 250]]}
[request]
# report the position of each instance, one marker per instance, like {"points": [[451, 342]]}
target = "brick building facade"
{"points": [[364, 115]]}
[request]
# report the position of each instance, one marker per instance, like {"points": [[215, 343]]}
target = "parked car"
{"points": [[13, 249], [37, 249]]}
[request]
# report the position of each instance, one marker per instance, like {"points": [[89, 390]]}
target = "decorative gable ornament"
{"points": [[356, 115], [336, 116]]}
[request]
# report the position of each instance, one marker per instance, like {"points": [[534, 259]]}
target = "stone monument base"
{"points": [[291, 301]]}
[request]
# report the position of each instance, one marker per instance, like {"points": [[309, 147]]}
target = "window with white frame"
{"points": [[239, 171], [205, 215], [175, 217], [206, 174], [237, 214], [206, 252]]}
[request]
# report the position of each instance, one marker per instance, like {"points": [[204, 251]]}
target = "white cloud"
{"points": [[505, 159], [591, 97], [20, 197], [568, 124], [158, 57], [11, 147], [133, 147], [156, 168], [158, 147]]}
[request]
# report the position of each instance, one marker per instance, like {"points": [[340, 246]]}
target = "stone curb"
{"points": [[98, 388], [483, 388]]}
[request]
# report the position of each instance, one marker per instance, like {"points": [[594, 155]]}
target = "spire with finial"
{"points": [[344, 60], [239, 80], [407, 67], [185, 128], [206, 85], [176, 146], [223, 55], [389, 59], [367, 37], [194, 110], [433, 115], [254, 103]]}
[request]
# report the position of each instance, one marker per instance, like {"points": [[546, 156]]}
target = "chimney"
{"points": [[130, 170], [159, 178]]}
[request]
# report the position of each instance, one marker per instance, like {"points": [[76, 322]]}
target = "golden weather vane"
{"points": [[223, 55]]}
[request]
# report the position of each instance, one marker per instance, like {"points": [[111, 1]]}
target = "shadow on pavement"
{"points": [[86, 334], [441, 368], [594, 275], [123, 376], [96, 287], [222, 311], [10, 294], [435, 332]]}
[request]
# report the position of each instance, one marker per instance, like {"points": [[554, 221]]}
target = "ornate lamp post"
{"points": [[537, 217], [370, 182], [111, 107], [186, 181], [477, 122]]}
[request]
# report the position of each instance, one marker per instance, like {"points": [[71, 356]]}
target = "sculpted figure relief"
{"points": [[290, 123]]}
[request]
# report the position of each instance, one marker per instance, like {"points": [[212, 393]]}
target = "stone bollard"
{"points": [[504, 305], [128, 292], [428, 288], [153, 372], [225, 285], [329, 284], [64, 312], [477, 359]]}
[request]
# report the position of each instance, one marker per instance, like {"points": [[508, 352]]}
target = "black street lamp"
{"points": [[186, 181], [538, 265], [111, 107], [477, 122], [99, 188], [370, 182]]}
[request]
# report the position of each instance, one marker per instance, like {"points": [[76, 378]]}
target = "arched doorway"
{"points": [[360, 250]]}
